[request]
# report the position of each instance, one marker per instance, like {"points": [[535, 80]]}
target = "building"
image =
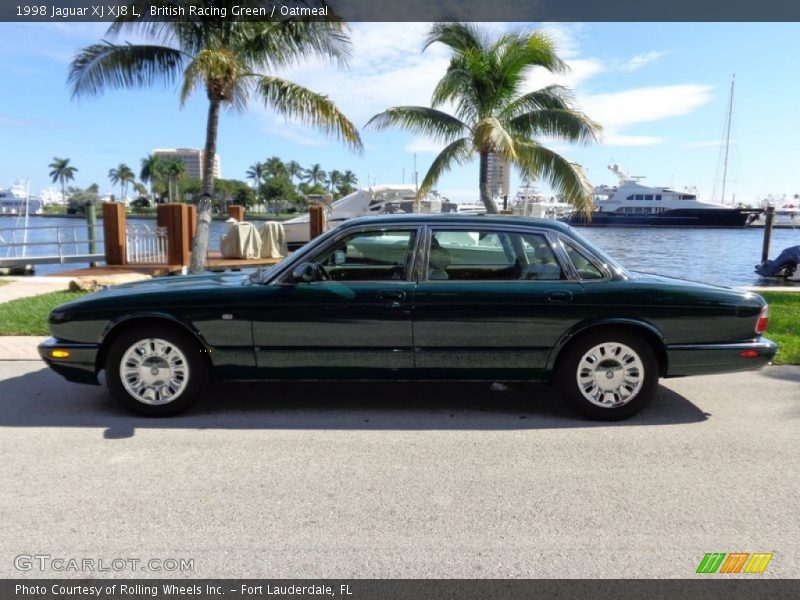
{"points": [[499, 176], [192, 160]]}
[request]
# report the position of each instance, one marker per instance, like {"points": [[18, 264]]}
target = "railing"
{"points": [[49, 244], [146, 244]]}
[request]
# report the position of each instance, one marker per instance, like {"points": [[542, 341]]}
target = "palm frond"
{"points": [[561, 124], [458, 152], [105, 65], [565, 178], [422, 120], [285, 43], [551, 97], [298, 102], [460, 37], [491, 135]]}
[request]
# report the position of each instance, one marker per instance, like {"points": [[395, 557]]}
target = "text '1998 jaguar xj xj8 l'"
{"points": [[415, 297]]}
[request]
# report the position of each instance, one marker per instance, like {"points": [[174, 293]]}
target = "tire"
{"points": [[165, 371], [617, 370]]}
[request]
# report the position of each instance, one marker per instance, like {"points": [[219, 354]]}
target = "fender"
{"points": [[587, 325]]}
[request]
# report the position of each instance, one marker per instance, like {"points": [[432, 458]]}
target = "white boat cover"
{"points": [[273, 240], [241, 241]]}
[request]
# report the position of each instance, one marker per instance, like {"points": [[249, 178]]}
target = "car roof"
{"points": [[456, 219]]}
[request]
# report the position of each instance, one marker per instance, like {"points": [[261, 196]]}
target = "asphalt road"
{"points": [[402, 480]]}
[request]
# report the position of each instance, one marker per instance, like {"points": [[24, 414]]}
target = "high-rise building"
{"points": [[192, 160], [499, 176]]}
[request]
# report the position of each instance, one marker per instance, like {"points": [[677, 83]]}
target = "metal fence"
{"points": [[49, 244], [146, 244]]}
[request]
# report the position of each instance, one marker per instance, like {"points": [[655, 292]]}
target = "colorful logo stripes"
{"points": [[734, 562]]}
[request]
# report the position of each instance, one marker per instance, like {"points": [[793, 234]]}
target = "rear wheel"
{"points": [[609, 375], [155, 371]]}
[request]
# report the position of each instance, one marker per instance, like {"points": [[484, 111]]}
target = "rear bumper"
{"points": [[78, 367], [706, 359]]}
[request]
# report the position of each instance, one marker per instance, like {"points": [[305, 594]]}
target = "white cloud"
{"points": [[423, 145], [640, 60]]}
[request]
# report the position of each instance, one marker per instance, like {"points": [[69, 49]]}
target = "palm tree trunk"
{"points": [[200, 243], [486, 193]]}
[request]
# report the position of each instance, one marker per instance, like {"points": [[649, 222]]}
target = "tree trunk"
{"points": [[200, 242], [486, 193]]}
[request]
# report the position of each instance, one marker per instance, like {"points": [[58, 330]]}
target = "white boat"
{"points": [[16, 200], [632, 204], [375, 200], [530, 202]]}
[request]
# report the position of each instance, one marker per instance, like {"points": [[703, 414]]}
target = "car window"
{"points": [[480, 255], [585, 268], [369, 256]]}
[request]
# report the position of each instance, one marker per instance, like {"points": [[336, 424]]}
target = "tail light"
{"points": [[763, 320]]}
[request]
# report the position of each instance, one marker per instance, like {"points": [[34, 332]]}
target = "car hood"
{"points": [[179, 283]]}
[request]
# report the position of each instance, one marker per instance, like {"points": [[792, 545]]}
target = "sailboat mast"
{"points": [[727, 139]]}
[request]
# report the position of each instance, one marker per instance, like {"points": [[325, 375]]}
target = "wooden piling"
{"points": [[236, 212], [115, 233], [770, 219], [177, 219], [316, 220]]}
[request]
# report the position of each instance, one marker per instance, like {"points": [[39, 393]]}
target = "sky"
{"points": [[660, 90]]}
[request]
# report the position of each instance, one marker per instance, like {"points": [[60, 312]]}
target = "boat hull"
{"points": [[671, 218]]}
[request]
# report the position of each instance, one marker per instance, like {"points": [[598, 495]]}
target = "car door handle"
{"points": [[392, 297], [559, 296]]}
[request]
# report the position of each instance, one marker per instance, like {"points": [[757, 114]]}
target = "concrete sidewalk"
{"points": [[19, 347], [24, 287]]}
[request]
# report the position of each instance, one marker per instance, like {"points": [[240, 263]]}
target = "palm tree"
{"points": [[493, 117], [151, 172], [294, 170], [314, 175], [62, 172], [275, 167], [228, 58], [173, 169], [257, 172], [122, 175], [348, 182], [334, 180]]}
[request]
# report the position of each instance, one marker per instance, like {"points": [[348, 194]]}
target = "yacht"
{"points": [[375, 200], [632, 204], [17, 201], [530, 202]]}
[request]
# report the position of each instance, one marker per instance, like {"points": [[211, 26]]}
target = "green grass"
{"points": [[784, 325], [28, 316]]}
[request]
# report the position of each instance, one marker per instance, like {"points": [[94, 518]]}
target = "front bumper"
{"points": [[78, 367], [706, 359]]}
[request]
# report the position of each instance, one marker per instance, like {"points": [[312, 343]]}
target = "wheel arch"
{"points": [[647, 331], [119, 326]]}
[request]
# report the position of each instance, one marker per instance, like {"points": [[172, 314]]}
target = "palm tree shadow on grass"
{"points": [[41, 399]]}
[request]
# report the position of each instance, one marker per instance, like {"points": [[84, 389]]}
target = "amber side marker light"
{"points": [[59, 353], [750, 354]]}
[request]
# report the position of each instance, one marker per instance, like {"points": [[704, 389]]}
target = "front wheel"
{"points": [[608, 376], [154, 371]]}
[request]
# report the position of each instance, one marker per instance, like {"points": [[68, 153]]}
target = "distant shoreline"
{"points": [[153, 216]]}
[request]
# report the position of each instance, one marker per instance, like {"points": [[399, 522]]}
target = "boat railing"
{"points": [[146, 244], [50, 244]]}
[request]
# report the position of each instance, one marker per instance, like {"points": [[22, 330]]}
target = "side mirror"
{"points": [[305, 273]]}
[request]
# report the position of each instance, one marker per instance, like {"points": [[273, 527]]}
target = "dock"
{"points": [[215, 262]]}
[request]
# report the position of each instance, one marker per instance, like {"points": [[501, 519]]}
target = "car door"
{"points": [[354, 323], [491, 302]]}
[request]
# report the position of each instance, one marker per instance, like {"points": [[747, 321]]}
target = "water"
{"points": [[722, 256]]}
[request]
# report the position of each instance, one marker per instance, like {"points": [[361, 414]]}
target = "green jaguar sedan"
{"points": [[415, 297]]}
